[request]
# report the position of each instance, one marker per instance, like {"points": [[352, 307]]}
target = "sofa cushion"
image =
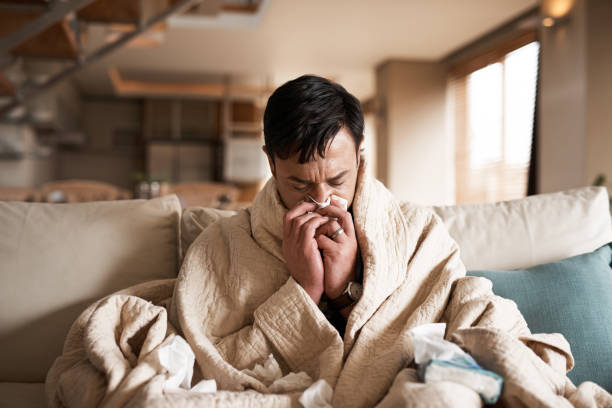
{"points": [[572, 297], [504, 235], [22, 395], [530, 231], [197, 219], [55, 259]]}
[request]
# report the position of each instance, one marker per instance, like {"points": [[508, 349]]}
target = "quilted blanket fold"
{"points": [[236, 304]]}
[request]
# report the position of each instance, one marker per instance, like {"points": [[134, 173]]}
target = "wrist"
{"points": [[337, 291], [315, 293]]}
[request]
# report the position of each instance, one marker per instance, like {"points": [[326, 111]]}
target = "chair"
{"points": [[205, 194], [77, 191]]}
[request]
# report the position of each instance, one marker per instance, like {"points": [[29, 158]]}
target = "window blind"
{"points": [[494, 114]]}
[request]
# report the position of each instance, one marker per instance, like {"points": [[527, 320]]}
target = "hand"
{"points": [[339, 254], [300, 248]]}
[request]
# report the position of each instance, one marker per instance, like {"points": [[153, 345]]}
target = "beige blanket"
{"points": [[235, 304]]}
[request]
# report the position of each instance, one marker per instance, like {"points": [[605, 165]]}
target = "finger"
{"points": [[331, 228], [308, 229], [300, 209], [296, 224], [326, 243], [345, 218]]}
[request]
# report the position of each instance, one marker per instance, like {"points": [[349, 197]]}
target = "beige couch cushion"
{"points": [[505, 235], [195, 220], [55, 259], [22, 395], [534, 230]]}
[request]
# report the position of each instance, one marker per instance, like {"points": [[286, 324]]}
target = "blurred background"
{"points": [[465, 100]]}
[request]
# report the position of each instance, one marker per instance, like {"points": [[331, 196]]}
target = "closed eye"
{"points": [[300, 188]]}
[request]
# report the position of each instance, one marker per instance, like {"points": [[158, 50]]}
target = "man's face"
{"points": [[334, 174]]}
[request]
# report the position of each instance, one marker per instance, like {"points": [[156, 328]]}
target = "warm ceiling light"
{"points": [[557, 8], [548, 21]]}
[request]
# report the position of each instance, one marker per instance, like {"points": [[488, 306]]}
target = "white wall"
{"points": [[575, 117], [415, 151], [562, 109], [599, 91]]}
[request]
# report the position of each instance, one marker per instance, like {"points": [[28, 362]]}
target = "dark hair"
{"points": [[305, 114]]}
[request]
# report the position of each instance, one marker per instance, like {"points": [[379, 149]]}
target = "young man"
{"points": [[385, 267], [314, 154], [251, 290]]}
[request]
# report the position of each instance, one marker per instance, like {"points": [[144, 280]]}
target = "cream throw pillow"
{"points": [[530, 231], [55, 259], [195, 220]]}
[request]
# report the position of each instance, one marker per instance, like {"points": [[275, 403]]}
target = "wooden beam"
{"points": [[56, 41], [493, 54], [122, 11], [250, 8], [135, 88]]}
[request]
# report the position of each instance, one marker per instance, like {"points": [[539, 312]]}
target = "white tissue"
{"points": [[205, 386], [177, 358], [429, 344], [327, 202], [267, 373], [342, 201], [321, 204], [318, 395], [271, 375]]}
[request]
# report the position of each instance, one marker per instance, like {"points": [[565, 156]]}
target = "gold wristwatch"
{"points": [[352, 293]]}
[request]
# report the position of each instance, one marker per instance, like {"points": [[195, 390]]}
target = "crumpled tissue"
{"points": [[429, 344], [327, 202], [177, 358], [318, 395], [271, 375], [441, 360]]}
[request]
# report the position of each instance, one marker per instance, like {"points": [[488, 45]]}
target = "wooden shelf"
{"points": [[246, 127], [6, 87]]}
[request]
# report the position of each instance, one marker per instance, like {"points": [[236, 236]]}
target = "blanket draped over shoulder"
{"points": [[236, 304]]}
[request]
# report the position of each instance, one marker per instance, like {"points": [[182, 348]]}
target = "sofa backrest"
{"points": [[530, 231], [504, 235], [56, 259]]}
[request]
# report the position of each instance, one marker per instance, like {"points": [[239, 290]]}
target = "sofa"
{"points": [[55, 259]]}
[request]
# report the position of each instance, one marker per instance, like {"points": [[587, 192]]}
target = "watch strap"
{"points": [[343, 300]]}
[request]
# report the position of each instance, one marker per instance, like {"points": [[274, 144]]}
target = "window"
{"points": [[494, 116]]}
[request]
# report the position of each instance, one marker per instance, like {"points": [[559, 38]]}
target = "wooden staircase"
{"points": [[56, 29]]}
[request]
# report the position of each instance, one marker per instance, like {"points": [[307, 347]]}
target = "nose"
{"points": [[320, 192]]}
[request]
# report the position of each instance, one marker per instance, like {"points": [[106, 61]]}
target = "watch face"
{"points": [[355, 290]]}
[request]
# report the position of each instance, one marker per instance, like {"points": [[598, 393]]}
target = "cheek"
{"points": [[289, 196], [348, 191]]}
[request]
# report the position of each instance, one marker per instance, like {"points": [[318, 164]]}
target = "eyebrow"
{"points": [[334, 178]]}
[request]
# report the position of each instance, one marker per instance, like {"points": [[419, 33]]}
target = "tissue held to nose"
{"points": [[327, 202]]}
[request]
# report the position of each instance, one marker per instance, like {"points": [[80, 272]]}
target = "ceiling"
{"points": [[341, 39]]}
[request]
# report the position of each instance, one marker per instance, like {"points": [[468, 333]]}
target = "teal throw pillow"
{"points": [[572, 297]]}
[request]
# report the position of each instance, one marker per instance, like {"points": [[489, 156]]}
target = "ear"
{"points": [[270, 160], [360, 152]]}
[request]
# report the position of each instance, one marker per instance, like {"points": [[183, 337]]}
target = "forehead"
{"points": [[340, 155]]}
